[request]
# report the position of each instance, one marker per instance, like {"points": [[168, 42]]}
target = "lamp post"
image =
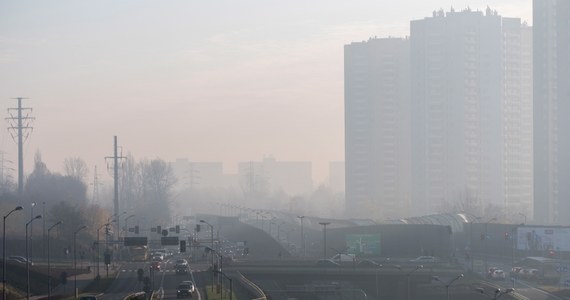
{"points": [[4, 250], [31, 231], [48, 260], [324, 238], [75, 259], [486, 253], [410, 274], [212, 239], [28, 261], [377, 290], [44, 229], [302, 235], [448, 284], [98, 252], [231, 285]]}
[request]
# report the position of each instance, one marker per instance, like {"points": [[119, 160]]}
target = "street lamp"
{"points": [[324, 238], [98, 252], [28, 261], [409, 275], [4, 250], [48, 260], [212, 239], [75, 259], [377, 291], [302, 235], [485, 238], [31, 231], [447, 285]]}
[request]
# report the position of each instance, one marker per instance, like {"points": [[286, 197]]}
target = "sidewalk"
{"points": [[83, 280]]}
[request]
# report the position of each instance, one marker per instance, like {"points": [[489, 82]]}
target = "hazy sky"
{"points": [[205, 80]]}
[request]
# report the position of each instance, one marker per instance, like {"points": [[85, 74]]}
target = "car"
{"points": [[184, 289], [424, 259], [20, 259], [88, 297], [181, 266], [343, 258], [327, 263], [157, 257], [192, 285], [181, 262], [368, 263], [498, 275], [155, 265]]}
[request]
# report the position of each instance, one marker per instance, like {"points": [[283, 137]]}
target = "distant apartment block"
{"points": [[269, 175], [199, 175], [471, 103], [551, 53], [377, 128]]}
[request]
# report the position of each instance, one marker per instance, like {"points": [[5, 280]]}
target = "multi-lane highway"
{"points": [[164, 281]]}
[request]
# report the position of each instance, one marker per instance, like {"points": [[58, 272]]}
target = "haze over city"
{"points": [[210, 81]]}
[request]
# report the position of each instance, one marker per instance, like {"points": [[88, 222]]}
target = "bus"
{"points": [[138, 253]]}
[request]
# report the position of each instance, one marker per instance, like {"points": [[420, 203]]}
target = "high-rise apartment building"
{"points": [[377, 128], [517, 119], [470, 113], [551, 59]]}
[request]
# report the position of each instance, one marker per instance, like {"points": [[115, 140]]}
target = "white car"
{"points": [[498, 275]]}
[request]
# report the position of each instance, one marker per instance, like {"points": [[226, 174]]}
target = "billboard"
{"points": [[366, 244], [543, 238]]}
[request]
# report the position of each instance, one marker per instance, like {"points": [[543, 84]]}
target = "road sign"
{"points": [[169, 241], [136, 241]]}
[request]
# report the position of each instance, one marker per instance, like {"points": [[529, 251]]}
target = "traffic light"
{"points": [[107, 258], [182, 246], [507, 236], [177, 229], [159, 229], [197, 227], [137, 229]]}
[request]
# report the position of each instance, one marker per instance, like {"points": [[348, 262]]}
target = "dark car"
{"points": [[184, 289], [181, 267], [155, 265]]}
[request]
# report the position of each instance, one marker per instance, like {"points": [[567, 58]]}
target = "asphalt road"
{"points": [[165, 280]]}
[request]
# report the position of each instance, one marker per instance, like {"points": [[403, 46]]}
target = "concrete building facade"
{"points": [[551, 60], [377, 128]]}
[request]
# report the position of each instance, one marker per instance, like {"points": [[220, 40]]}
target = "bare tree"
{"points": [[75, 167]]}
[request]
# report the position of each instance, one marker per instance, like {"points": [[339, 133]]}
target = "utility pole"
{"points": [[18, 124], [96, 185], [115, 158]]}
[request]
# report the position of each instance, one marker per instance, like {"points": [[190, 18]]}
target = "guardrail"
{"points": [[252, 287], [514, 294]]}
